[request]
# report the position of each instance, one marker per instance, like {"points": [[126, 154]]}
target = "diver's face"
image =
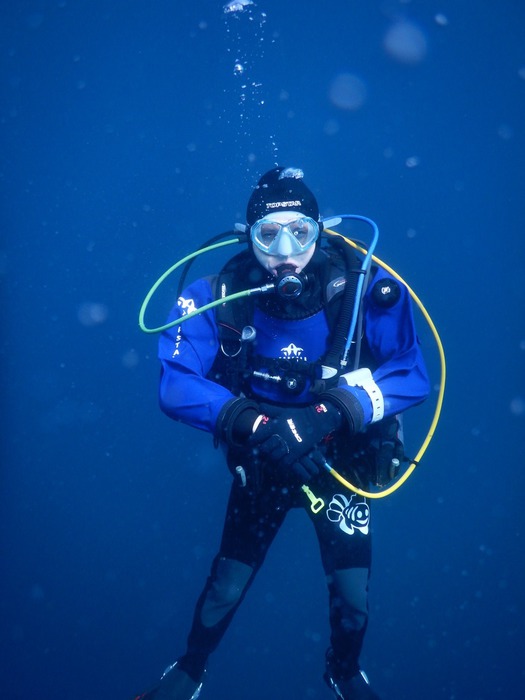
{"points": [[272, 262], [285, 254]]}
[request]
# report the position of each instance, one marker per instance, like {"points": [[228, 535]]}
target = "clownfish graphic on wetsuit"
{"points": [[351, 513]]}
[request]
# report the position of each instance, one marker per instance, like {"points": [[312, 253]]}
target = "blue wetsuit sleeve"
{"points": [[187, 353], [400, 371]]}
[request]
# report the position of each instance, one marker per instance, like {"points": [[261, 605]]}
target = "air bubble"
{"points": [[236, 6]]}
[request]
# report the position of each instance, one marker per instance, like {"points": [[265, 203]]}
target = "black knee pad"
{"points": [[227, 585]]}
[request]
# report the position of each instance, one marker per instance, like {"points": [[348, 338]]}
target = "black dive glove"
{"points": [[234, 426], [235, 422], [308, 466], [295, 432]]}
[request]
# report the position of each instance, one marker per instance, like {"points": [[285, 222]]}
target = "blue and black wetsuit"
{"points": [[297, 330]]}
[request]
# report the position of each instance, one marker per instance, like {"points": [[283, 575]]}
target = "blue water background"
{"points": [[126, 142]]}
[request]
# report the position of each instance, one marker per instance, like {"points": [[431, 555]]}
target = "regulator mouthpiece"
{"points": [[290, 284]]}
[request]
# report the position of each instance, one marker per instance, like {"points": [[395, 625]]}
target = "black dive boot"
{"points": [[345, 682], [355, 688], [175, 684]]}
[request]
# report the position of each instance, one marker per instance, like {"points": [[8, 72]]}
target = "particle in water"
{"points": [[517, 406], [130, 358], [347, 91], [92, 313], [238, 68], [406, 42], [412, 162]]}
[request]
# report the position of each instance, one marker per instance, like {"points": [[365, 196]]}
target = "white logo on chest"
{"points": [[292, 351]]}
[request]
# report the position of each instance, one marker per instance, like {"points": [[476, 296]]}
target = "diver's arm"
{"points": [[400, 377], [187, 353]]}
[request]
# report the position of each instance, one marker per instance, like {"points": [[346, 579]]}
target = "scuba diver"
{"points": [[284, 390]]}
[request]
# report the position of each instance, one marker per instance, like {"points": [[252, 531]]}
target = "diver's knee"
{"points": [[228, 582]]}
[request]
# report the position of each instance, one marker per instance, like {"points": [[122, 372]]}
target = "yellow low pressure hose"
{"points": [[439, 403]]}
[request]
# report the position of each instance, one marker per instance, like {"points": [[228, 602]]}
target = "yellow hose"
{"points": [[439, 403]]}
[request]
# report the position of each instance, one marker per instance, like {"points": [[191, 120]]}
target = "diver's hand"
{"points": [[307, 467], [294, 433], [236, 420]]}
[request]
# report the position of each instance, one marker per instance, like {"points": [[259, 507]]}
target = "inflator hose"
{"points": [[336, 352]]}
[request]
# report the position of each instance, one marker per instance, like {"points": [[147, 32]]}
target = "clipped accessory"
{"points": [[385, 452]]}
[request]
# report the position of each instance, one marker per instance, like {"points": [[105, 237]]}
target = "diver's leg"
{"points": [[348, 599], [343, 531], [224, 590], [252, 521]]}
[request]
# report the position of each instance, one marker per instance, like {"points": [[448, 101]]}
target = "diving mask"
{"points": [[292, 238]]}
